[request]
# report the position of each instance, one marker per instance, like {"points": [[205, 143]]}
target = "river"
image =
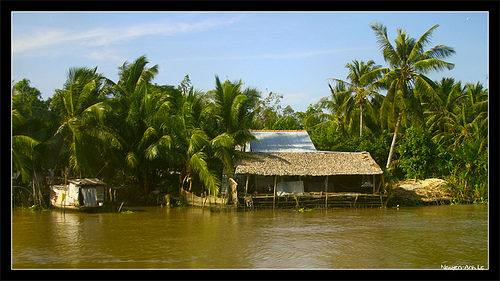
{"points": [[432, 237]]}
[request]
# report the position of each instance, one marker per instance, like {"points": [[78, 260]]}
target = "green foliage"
{"points": [[417, 153], [133, 132], [287, 123]]}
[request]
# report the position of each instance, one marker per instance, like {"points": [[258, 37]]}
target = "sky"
{"points": [[289, 53]]}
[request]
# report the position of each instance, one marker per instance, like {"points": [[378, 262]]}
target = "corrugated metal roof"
{"points": [[89, 181], [281, 141]]}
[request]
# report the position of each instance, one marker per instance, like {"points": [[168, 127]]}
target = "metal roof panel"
{"points": [[282, 141]]}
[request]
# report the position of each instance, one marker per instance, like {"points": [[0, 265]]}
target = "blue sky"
{"points": [[289, 53]]}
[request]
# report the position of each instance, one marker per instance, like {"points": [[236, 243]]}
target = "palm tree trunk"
{"points": [[361, 119], [391, 151]]}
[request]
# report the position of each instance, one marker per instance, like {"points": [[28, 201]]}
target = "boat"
{"points": [[191, 199], [88, 194]]}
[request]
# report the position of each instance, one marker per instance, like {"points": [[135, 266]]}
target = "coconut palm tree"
{"points": [[134, 121], [23, 149], [234, 109], [472, 119], [340, 108], [360, 88], [190, 144], [409, 63], [80, 109], [442, 110]]}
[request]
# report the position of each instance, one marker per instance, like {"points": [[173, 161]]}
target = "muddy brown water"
{"points": [[429, 237]]}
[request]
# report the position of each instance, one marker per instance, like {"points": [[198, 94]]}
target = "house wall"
{"points": [[338, 183]]}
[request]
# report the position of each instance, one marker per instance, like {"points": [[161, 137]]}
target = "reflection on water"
{"points": [[417, 238]]}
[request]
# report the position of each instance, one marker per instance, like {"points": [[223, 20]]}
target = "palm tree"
{"points": [[32, 125], [340, 107], [442, 110], [358, 87], [409, 63], [80, 109], [234, 109], [472, 120], [134, 123], [23, 149], [190, 147]]}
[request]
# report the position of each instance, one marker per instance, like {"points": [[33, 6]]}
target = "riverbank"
{"points": [[432, 191], [409, 193]]}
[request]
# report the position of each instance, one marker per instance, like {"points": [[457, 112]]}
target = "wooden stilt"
{"points": [[274, 196], [246, 185], [373, 184], [326, 192], [246, 192]]}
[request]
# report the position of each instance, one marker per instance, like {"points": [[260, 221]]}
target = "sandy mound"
{"points": [[429, 191]]}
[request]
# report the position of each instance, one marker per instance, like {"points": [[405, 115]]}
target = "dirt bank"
{"points": [[420, 192]]}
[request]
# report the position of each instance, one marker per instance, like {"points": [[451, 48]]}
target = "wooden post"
{"points": [[326, 192], [274, 196], [373, 184], [246, 185], [246, 192]]}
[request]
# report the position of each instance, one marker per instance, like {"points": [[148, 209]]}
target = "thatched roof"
{"points": [[321, 163]]}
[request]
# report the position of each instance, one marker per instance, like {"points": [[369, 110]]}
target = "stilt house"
{"points": [[287, 163]]}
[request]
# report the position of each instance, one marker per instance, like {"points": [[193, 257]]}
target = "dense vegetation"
{"points": [[137, 133]]}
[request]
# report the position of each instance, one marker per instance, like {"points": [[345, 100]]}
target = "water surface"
{"points": [[186, 238]]}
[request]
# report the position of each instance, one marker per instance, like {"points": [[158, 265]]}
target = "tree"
{"points": [[340, 107], [25, 97], [417, 153], [80, 109], [134, 122], [360, 88], [190, 149], [268, 112], [234, 109], [32, 125], [23, 149], [408, 63], [442, 110]]}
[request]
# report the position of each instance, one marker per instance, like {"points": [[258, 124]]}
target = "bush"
{"points": [[417, 153]]}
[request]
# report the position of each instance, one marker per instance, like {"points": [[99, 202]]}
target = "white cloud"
{"points": [[105, 36], [39, 39]]}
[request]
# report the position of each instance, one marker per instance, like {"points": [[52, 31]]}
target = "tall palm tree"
{"points": [[360, 88], [234, 109], [190, 147], [80, 109], [135, 104], [409, 63]]}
